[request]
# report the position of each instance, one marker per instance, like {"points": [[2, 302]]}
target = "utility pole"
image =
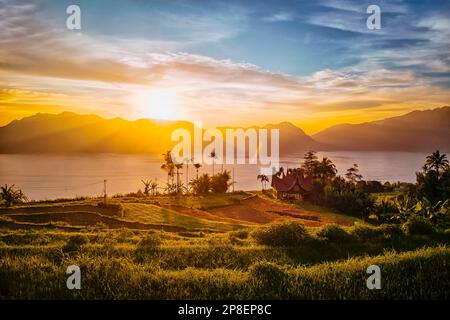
{"points": [[104, 192]]}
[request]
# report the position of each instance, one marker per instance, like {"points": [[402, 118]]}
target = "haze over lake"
{"points": [[56, 176]]}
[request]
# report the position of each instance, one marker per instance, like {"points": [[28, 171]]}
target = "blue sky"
{"points": [[310, 61], [294, 37]]}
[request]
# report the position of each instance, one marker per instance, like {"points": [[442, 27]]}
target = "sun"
{"points": [[159, 104]]}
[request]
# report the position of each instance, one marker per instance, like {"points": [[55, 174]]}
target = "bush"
{"points": [[149, 242], [201, 185], [289, 233], [365, 232], [75, 243], [352, 202], [268, 277], [391, 230], [418, 226], [221, 182], [334, 233], [240, 234]]}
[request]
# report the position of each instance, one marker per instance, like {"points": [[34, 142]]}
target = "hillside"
{"points": [[416, 131], [73, 133], [67, 132]]}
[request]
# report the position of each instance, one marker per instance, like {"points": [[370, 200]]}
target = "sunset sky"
{"points": [[313, 63]]}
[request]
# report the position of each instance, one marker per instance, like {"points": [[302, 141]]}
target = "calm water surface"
{"points": [[56, 176]]}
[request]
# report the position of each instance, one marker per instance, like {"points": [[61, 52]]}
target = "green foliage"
{"points": [[365, 232], [334, 233], [418, 226], [268, 278], [391, 230], [289, 233], [350, 201], [201, 185], [220, 182]]}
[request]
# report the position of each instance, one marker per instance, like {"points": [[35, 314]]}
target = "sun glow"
{"points": [[159, 104]]}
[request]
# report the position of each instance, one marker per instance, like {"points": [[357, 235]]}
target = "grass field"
{"points": [[194, 248]]}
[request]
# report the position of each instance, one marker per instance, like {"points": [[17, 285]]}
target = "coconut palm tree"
{"points": [[197, 166], [169, 167], [213, 156], [178, 167], [263, 179], [437, 161]]}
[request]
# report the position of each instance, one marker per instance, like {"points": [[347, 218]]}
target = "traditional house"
{"points": [[291, 185]]}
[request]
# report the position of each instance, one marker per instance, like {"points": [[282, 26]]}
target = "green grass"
{"points": [[222, 260], [216, 266], [422, 274], [147, 213]]}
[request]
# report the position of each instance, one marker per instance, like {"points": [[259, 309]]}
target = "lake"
{"points": [[58, 176]]}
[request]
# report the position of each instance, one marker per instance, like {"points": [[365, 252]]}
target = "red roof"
{"points": [[289, 182]]}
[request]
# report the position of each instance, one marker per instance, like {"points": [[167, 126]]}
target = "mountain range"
{"points": [[423, 131]]}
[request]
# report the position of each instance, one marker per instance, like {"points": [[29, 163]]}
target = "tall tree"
{"points": [[353, 174], [169, 167], [213, 156], [197, 166], [437, 162], [310, 163], [325, 169]]}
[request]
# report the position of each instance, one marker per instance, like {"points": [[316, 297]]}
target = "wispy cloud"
{"points": [[279, 17], [42, 66]]}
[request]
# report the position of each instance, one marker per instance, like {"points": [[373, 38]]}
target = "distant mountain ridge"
{"points": [[423, 131], [68, 132]]}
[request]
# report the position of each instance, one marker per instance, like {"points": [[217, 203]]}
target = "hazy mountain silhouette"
{"points": [[73, 133], [416, 131]]}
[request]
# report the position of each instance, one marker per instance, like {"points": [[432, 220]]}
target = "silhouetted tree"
{"points": [[11, 196], [169, 167], [197, 166], [263, 179], [310, 163], [221, 182], [147, 185], [201, 185], [353, 174], [437, 162], [213, 156]]}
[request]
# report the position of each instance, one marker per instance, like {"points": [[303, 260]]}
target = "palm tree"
{"points": [[168, 166], [437, 161], [187, 160], [147, 185], [213, 156], [326, 169], [154, 187], [178, 167], [263, 179], [197, 166]]}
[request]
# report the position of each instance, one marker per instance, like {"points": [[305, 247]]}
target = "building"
{"points": [[291, 185]]}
